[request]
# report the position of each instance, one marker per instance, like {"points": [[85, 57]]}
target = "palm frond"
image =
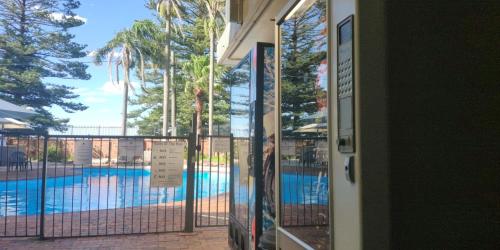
{"points": [[143, 83], [131, 87], [110, 65], [117, 73]]}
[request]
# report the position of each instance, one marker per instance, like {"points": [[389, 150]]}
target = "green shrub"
{"points": [[55, 154]]}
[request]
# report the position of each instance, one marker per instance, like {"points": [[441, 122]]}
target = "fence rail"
{"points": [[94, 130]]}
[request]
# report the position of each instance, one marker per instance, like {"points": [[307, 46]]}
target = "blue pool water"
{"points": [[111, 188], [96, 188], [304, 189], [295, 189]]}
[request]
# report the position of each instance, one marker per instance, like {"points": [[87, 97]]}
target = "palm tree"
{"points": [[129, 43], [167, 9], [197, 68], [214, 12]]}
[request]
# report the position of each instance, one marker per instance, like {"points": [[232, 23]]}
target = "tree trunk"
{"points": [[198, 106], [165, 103], [173, 107], [22, 23], [211, 82], [166, 78], [125, 100]]}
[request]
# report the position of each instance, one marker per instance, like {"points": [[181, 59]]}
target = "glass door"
{"points": [[240, 77], [252, 214], [303, 86]]}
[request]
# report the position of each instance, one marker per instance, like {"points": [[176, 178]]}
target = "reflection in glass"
{"points": [[240, 118], [304, 147], [240, 98], [267, 239]]}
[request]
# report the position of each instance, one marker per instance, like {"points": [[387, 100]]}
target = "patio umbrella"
{"points": [[11, 123], [10, 110]]}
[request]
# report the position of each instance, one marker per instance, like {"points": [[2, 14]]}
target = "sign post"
{"points": [[188, 222]]}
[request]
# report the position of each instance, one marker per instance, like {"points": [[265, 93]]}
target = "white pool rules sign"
{"points": [[167, 163], [83, 152]]}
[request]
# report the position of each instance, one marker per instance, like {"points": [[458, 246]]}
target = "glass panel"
{"points": [[304, 147], [253, 171], [267, 239], [240, 117]]}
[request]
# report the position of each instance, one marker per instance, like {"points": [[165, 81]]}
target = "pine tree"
{"points": [[36, 49], [302, 53], [148, 112]]}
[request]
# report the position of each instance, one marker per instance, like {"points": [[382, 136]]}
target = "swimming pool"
{"points": [[109, 188], [100, 188]]}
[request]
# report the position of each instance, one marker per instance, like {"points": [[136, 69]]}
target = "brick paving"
{"points": [[170, 218], [161, 218], [203, 238]]}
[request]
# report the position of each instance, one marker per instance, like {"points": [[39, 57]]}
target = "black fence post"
{"points": [[192, 145], [231, 174], [44, 186], [231, 181]]}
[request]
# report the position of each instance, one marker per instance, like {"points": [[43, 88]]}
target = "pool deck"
{"points": [[36, 173], [126, 224], [167, 217], [203, 238]]}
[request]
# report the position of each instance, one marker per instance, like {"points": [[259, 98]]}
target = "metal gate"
{"points": [[45, 191], [213, 168]]}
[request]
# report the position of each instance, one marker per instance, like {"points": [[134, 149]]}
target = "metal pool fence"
{"points": [[21, 160], [214, 162], [304, 181], [46, 191]]}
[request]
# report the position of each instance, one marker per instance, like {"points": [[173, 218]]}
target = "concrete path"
{"points": [[203, 238]]}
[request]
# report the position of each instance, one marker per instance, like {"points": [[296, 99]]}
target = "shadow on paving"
{"points": [[203, 238], [152, 218]]}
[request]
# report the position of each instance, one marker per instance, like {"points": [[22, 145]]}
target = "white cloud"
{"points": [[112, 88], [106, 94], [105, 110], [115, 89], [117, 55], [57, 16], [92, 53]]}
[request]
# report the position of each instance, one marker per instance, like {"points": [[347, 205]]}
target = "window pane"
{"points": [[304, 147], [268, 173], [240, 117]]}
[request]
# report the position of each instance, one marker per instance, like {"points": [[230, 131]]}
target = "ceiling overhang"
{"points": [[237, 40]]}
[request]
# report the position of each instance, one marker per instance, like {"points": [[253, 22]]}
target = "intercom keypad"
{"points": [[345, 85]]}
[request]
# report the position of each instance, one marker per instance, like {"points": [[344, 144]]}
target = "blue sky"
{"points": [[103, 19]]}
